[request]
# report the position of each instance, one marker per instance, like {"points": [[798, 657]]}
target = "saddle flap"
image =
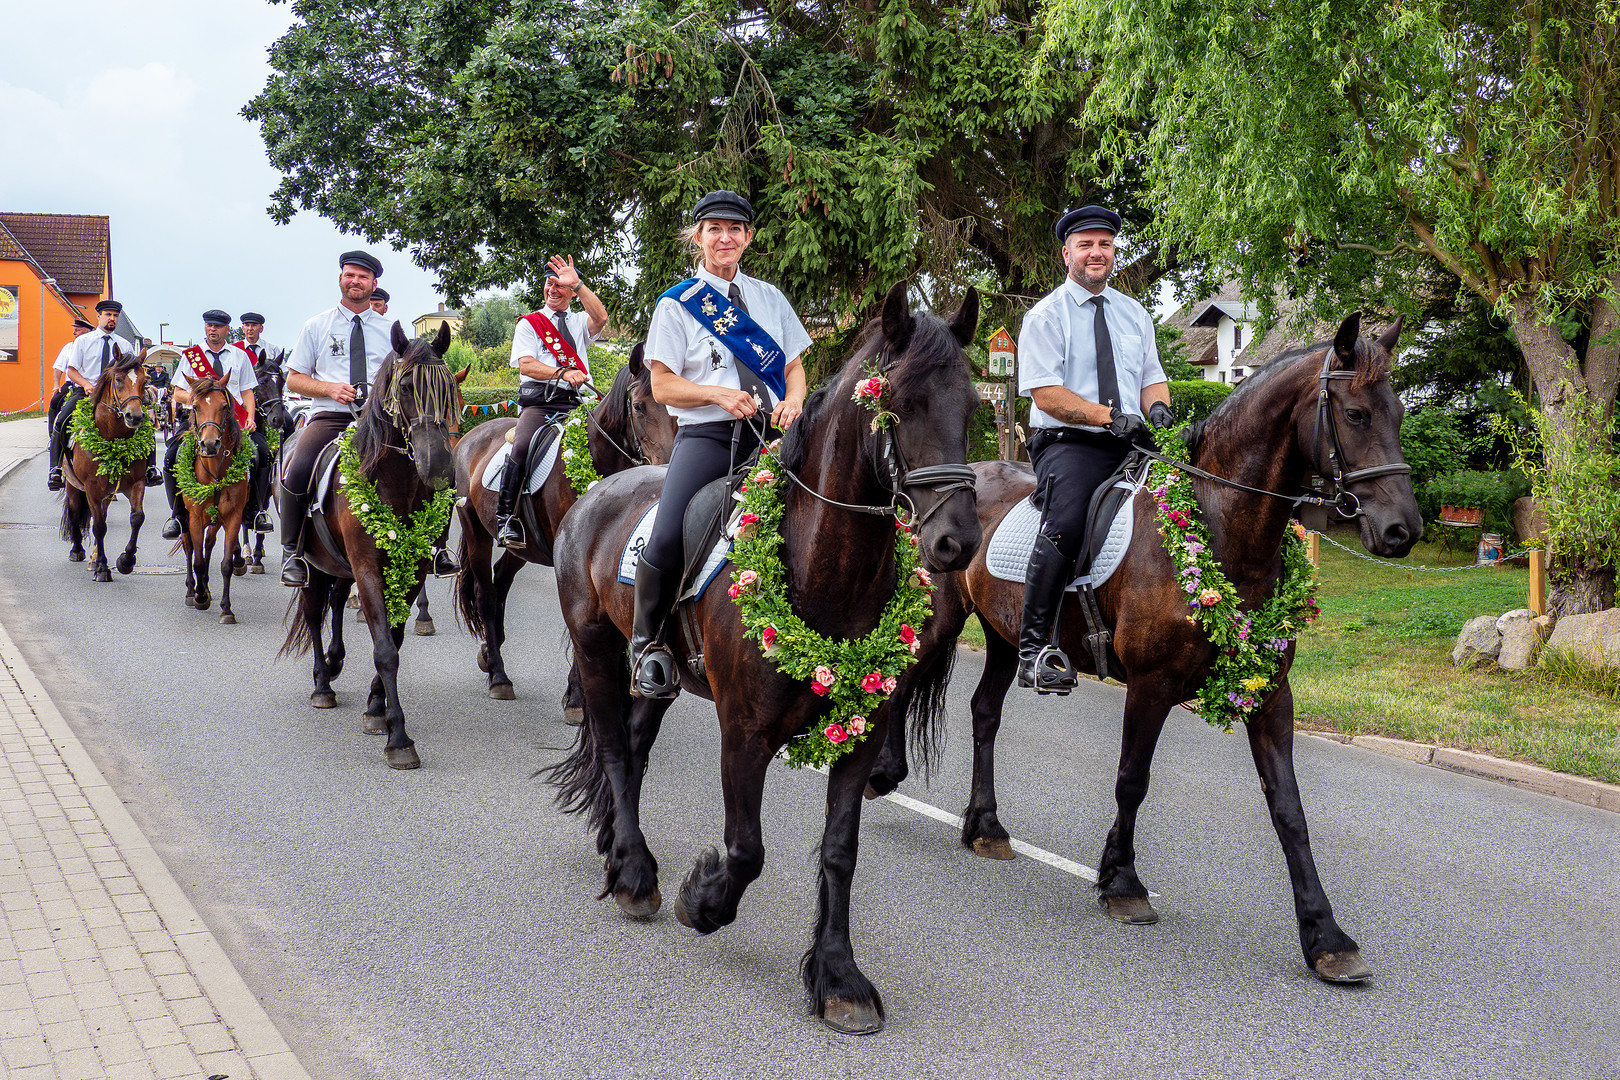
{"points": [[542, 457], [325, 471], [705, 517], [697, 580]]}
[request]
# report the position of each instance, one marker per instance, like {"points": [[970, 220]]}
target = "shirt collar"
{"points": [[1083, 295], [721, 285]]}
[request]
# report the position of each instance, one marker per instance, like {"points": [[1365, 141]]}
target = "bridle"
{"points": [[118, 409], [197, 427], [425, 416], [635, 440]]}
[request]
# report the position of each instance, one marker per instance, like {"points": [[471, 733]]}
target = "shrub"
{"points": [[1432, 443], [1575, 473], [1492, 492], [1193, 400]]}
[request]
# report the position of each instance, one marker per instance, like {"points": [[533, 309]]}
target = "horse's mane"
{"points": [[126, 362], [611, 415], [372, 429], [1372, 365], [232, 431]]}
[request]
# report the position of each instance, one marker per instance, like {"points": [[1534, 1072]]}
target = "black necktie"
{"points": [[357, 354], [1107, 378], [106, 351], [734, 294], [559, 319]]}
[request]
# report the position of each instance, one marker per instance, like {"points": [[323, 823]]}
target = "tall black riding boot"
{"points": [[58, 450], [260, 486], [652, 665], [172, 528], [508, 529], [1041, 663], [294, 510]]}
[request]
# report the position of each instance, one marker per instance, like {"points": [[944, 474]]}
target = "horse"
{"points": [[271, 414], [221, 511], [119, 405], [627, 429], [841, 572], [1323, 408], [402, 440]]}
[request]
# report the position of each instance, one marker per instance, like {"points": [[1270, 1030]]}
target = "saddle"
{"points": [[325, 471], [1104, 507], [541, 459]]}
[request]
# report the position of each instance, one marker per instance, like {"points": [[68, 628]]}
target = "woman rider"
{"points": [[722, 346]]}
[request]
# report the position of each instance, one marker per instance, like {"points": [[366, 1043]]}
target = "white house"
{"points": [[1233, 322]]}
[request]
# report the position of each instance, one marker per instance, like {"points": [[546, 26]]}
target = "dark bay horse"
{"points": [[402, 438], [119, 404], [216, 436], [841, 571], [1266, 435], [627, 429]]}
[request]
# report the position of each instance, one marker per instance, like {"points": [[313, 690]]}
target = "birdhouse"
{"points": [[1001, 353]]}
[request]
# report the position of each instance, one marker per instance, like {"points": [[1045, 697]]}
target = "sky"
{"points": [[132, 109]]}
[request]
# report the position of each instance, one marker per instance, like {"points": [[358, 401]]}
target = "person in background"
{"points": [[379, 301]]}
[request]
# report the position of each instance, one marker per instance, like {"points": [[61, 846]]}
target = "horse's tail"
{"points": [[582, 786], [925, 706], [467, 611], [73, 523], [300, 636]]}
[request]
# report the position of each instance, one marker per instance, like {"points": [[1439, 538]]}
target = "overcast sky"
{"points": [[132, 108]]}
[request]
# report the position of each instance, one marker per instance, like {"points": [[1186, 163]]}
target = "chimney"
{"points": [[441, 305]]}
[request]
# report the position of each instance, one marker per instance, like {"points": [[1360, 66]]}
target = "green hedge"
{"points": [[606, 358], [1195, 399]]}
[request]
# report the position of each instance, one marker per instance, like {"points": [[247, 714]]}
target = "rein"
{"points": [[636, 458]]}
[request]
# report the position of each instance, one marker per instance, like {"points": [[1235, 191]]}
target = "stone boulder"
{"points": [[1592, 639], [1529, 520], [1479, 641], [1522, 635]]}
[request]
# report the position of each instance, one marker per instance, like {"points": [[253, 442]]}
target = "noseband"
{"points": [[1344, 502]]}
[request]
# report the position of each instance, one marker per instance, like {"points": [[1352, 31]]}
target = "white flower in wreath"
{"points": [[392, 535], [365, 508], [568, 455]]}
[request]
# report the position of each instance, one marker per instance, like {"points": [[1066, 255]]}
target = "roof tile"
{"points": [[73, 248]]}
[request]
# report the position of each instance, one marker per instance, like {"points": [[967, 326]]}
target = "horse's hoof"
{"points": [[76, 555], [423, 628], [681, 915], [574, 717], [483, 659], [191, 601], [640, 909], [502, 691], [1341, 967], [256, 568], [227, 618], [851, 1017], [375, 725], [323, 699], [1134, 910], [103, 574], [126, 563], [993, 849], [239, 569], [204, 603], [403, 758]]}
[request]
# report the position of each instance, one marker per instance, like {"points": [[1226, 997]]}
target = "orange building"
{"points": [[73, 252]]}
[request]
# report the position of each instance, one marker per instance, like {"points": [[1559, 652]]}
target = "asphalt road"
{"points": [[442, 923]]}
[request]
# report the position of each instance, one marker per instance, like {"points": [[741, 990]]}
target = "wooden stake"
{"points": [[1313, 549], [1538, 581]]}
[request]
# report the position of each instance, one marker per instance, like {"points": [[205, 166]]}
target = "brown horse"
{"points": [[402, 438], [1268, 435], [627, 429], [216, 436], [119, 402], [840, 571]]}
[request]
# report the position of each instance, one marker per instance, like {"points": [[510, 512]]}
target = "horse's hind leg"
{"points": [[336, 652], [573, 701], [137, 518], [313, 602], [74, 510], [1121, 892], [708, 898], [839, 993], [981, 827], [1332, 954], [424, 618], [493, 600]]}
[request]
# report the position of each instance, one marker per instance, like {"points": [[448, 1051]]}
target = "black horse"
{"points": [[271, 414], [841, 572], [1269, 435]]}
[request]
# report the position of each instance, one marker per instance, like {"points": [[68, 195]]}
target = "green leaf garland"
{"points": [[402, 546], [185, 473], [113, 456], [856, 676], [576, 449]]}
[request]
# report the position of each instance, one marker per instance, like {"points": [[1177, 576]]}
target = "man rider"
{"points": [[91, 353], [59, 370]]}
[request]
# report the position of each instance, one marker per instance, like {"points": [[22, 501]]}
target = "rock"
{"points": [[1592, 639], [1478, 641], [1545, 624], [1523, 614], [1521, 640], [1529, 520]]}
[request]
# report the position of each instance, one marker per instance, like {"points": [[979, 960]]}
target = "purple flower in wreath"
{"points": [[1192, 587]]}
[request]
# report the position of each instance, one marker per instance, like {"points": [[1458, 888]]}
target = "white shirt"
{"points": [[86, 358], [1057, 346], [525, 342], [322, 349], [678, 341], [265, 349], [233, 363], [65, 355]]}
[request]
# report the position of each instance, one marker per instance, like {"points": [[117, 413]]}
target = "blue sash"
{"points": [[746, 339]]}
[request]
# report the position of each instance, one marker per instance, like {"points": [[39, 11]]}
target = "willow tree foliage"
{"points": [[877, 138], [1331, 147]]}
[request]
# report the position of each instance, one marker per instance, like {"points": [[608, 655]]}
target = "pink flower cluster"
{"points": [[744, 580], [822, 682], [869, 392], [875, 683], [856, 727], [745, 525]]}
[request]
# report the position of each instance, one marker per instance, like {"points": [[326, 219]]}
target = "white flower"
{"points": [[392, 535], [365, 508], [568, 455]]}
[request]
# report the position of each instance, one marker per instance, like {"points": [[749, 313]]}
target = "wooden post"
{"points": [[1313, 549], [1538, 581]]}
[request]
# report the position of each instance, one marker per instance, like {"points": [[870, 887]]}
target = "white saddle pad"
{"points": [[537, 475], [1008, 555], [719, 555], [323, 483]]}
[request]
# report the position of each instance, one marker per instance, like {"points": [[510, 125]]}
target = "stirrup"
{"points": [[154, 478], [444, 564], [653, 674], [1049, 673], [510, 534], [294, 571], [54, 481], [262, 523]]}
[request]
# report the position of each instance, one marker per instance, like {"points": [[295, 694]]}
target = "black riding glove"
{"points": [[1159, 416], [1124, 425]]}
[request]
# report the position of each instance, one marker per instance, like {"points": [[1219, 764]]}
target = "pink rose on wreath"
{"points": [[907, 634], [765, 476], [825, 675], [819, 689], [767, 638], [873, 682], [835, 734], [746, 523], [889, 684], [869, 391], [1209, 597], [747, 578], [734, 592], [857, 725], [922, 578]]}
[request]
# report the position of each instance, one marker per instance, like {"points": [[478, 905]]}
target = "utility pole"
{"points": [[44, 283]]}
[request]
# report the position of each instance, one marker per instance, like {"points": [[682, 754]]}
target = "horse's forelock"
{"points": [[1373, 364]]}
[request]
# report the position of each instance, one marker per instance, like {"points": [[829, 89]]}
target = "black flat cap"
{"points": [[80, 324], [362, 259], [216, 317], [724, 206], [380, 294], [109, 305], [251, 316], [1087, 217]]}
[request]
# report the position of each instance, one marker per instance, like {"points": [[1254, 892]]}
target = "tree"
{"points": [[490, 322], [877, 139], [1342, 148]]}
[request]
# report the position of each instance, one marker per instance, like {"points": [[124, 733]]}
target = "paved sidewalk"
{"points": [[106, 970]]}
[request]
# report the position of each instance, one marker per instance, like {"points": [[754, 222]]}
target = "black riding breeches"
{"points": [[530, 420], [322, 428], [1067, 473], [702, 454]]}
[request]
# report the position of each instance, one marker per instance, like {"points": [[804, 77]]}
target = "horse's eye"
{"points": [[904, 405], [1355, 416], [641, 408]]}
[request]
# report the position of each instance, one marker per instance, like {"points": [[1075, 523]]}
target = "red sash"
{"points": [[252, 356], [562, 353], [201, 368]]}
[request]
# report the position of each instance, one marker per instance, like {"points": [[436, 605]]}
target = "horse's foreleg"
{"points": [[1121, 892], [839, 993], [98, 533], [336, 597], [227, 563], [313, 602], [891, 769], [492, 598], [981, 827], [1332, 954], [204, 554], [400, 751], [709, 897], [137, 518], [424, 618]]}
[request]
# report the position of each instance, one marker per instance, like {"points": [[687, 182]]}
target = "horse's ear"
{"points": [[1344, 342], [1389, 337], [965, 323], [897, 321], [398, 339], [638, 359], [461, 376], [441, 340]]}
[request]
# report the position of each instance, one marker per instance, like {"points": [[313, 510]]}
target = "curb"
{"points": [[1484, 767]]}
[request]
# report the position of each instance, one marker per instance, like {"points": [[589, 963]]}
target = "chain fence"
{"points": [[1423, 569]]}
